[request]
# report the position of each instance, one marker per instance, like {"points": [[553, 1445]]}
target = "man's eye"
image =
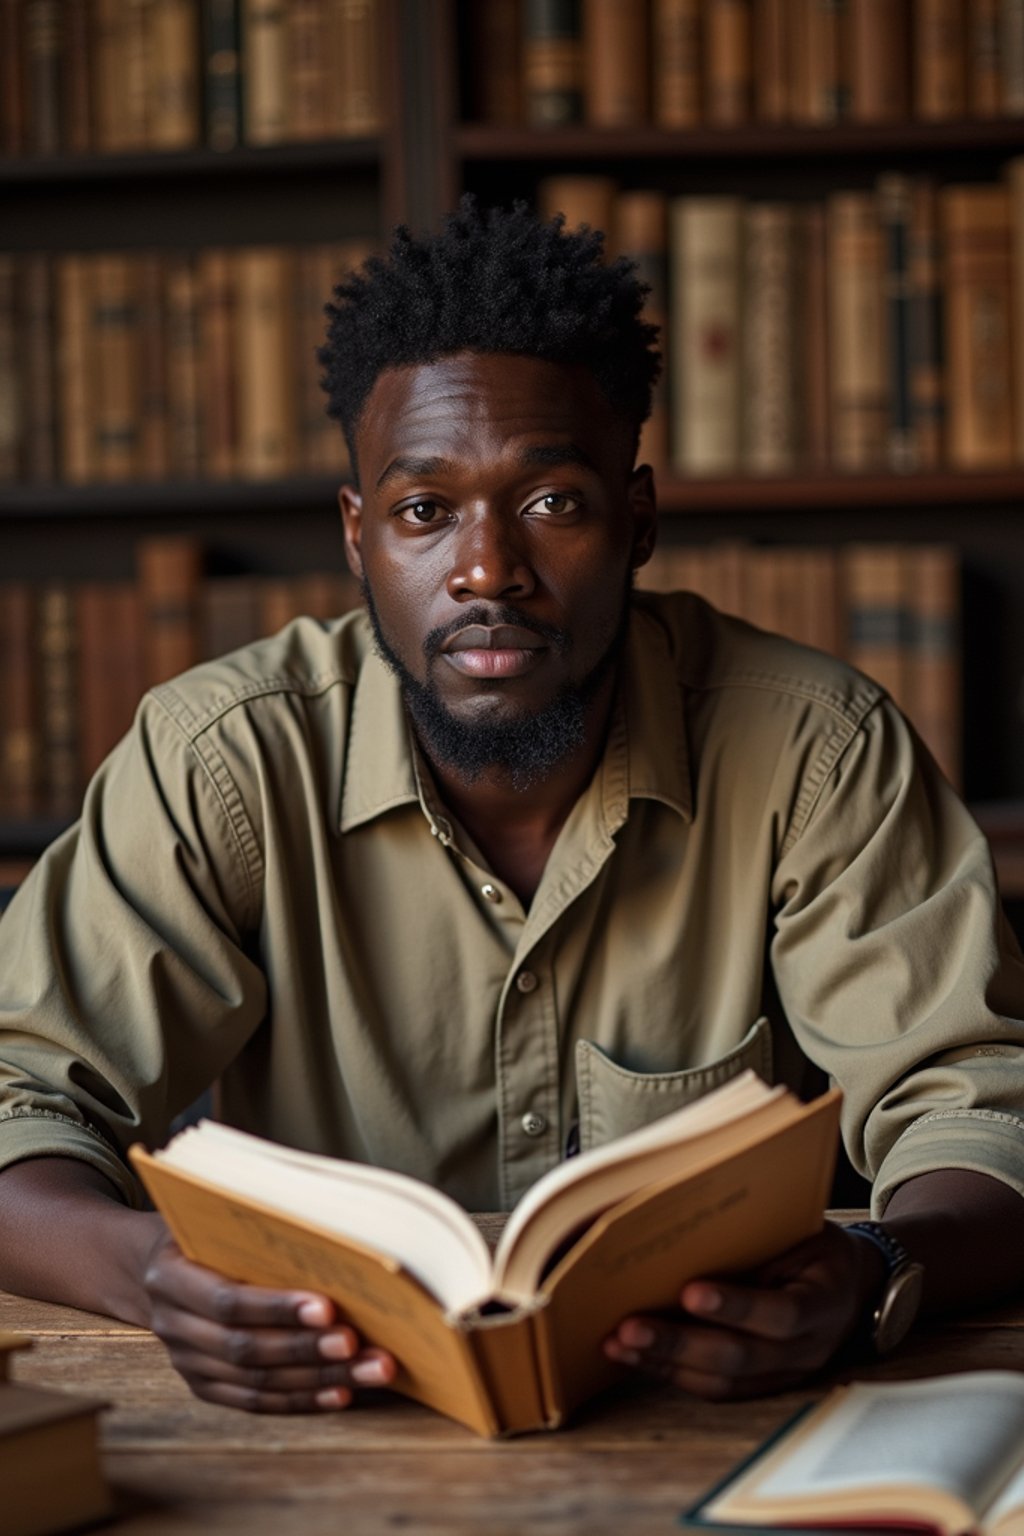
{"points": [[555, 502], [420, 513]]}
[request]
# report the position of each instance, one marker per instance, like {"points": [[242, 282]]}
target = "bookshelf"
{"points": [[430, 148]]}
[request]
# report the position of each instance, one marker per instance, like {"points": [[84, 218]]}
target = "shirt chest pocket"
{"points": [[613, 1100]]}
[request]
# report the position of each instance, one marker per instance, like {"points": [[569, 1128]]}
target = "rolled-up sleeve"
{"points": [[125, 987], [896, 967]]}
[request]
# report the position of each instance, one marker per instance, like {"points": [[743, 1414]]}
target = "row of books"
{"points": [[877, 329], [75, 658], [891, 609], [723, 63], [142, 366], [88, 76]]}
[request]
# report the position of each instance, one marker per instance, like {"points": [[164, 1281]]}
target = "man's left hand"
{"points": [[763, 1333]]}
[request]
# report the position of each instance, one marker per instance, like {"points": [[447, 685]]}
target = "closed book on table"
{"points": [[706, 257], [50, 1461], [728, 62], [769, 368], [357, 71], [552, 62], [979, 325], [616, 73], [265, 359], [879, 37], [939, 55], [859, 395], [170, 575], [676, 62]]}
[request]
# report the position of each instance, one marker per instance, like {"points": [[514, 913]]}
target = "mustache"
{"points": [[489, 615]]}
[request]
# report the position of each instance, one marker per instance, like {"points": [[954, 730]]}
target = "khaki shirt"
{"points": [[264, 889]]}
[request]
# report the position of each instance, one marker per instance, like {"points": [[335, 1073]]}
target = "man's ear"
{"points": [[643, 508], [351, 504]]}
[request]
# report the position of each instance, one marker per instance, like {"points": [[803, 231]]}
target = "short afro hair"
{"points": [[493, 280]]}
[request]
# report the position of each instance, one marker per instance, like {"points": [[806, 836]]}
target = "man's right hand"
{"points": [[262, 1350]]}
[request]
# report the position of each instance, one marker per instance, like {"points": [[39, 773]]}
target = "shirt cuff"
{"points": [[35, 1133], [982, 1140]]}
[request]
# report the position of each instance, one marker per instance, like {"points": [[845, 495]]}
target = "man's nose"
{"points": [[491, 560]]}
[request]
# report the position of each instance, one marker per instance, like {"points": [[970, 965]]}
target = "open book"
{"points": [[946, 1454], [512, 1343]]}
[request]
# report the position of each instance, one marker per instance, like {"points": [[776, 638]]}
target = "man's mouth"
{"points": [[504, 650]]}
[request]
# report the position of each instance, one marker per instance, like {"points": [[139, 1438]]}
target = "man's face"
{"points": [[496, 532]]}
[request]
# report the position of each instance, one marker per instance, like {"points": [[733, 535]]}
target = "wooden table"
{"points": [[628, 1464]]}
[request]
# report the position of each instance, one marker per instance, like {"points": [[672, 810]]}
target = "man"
{"points": [[514, 864]]}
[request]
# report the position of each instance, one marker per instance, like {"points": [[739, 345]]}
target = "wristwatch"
{"points": [[893, 1314]]}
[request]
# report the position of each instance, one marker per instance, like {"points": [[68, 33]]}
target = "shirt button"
{"points": [[534, 1125], [490, 892], [526, 981]]}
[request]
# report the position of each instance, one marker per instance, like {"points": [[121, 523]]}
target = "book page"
{"points": [[1007, 1513], [958, 1433]]}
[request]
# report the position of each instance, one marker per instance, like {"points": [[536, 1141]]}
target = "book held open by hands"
{"points": [[512, 1343]]}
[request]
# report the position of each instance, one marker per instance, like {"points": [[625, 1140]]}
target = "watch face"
{"points": [[899, 1307]]}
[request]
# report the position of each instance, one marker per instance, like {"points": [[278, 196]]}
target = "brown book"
{"points": [[75, 79], [230, 614], [137, 64], [641, 229], [895, 212], [37, 330], [114, 342], [50, 1461], [932, 574], [308, 69], [21, 763], [875, 591], [1015, 185], [859, 393], [265, 362], [676, 63], [616, 74], [222, 74], [812, 327], [173, 74], [12, 405], [583, 200], [357, 73], [768, 340], [1011, 57], [280, 603], [264, 71], [494, 44], [552, 62], [154, 425], [819, 39], [76, 397], [939, 55], [879, 35], [59, 720], [170, 578], [43, 26], [12, 79], [218, 386], [978, 316], [773, 21], [181, 308], [984, 68], [818, 618], [728, 62], [705, 261], [926, 380], [513, 1343], [111, 670], [107, 80]]}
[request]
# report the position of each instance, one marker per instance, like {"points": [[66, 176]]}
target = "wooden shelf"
{"points": [[191, 163], [755, 141], [144, 498]]}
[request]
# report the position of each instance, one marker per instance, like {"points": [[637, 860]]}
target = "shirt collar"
{"points": [[646, 756]]}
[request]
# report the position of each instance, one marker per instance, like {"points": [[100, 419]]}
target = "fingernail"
{"points": [[369, 1373], [638, 1335], [314, 1313], [703, 1298], [333, 1397], [616, 1351], [337, 1346]]}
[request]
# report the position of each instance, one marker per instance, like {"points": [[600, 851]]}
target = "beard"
{"points": [[525, 750]]}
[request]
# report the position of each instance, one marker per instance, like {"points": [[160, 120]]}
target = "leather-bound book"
{"points": [[43, 26], [222, 76], [676, 62], [769, 363], [552, 62], [357, 70], [879, 39], [728, 62], [20, 754], [1015, 184], [857, 350], [584, 200], [76, 103], [76, 399], [308, 69], [12, 80], [939, 56], [264, 72], [820, 54], [895, 200], [230, 613], [12, 403], [616, 67], [773, 23], [173, 74], [877, 616], [218, 385], [704, 340], [38, 324], [170, 571], [111, 670], [984, 65], [1011, 57], [154, 427], [979, 325], [265, 362], [812, 344], [184, 431], [926, 376], [114, 342], [936, 685], [59, 701]]}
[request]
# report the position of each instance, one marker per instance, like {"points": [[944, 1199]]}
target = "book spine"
{"points": [[875, 603], [37, 330], [114, 344], [264, 103], [926, 363], [859, 406], [978, 316], [11, 399], [356, 28], [12, 79], [728, 62], [217, 384], [75, 374], [43, 48], [58, 699], [940, 80], [936, 686], [583, 200], [109, 71], [772, 22], [181, 308], [169, 576], [174, 83], [504, 1352], [154, 449], [1011, 57], [20, 757], [229, 614], [895, 195], [768, 337], [675, 63], [138, 65], [641, 221], [76, 83], [222, 74], [264, 360], [616, 46], [705, 266], [1015, 184], [307, 69], [812, 326], [984, 73], [552, 62], [317, 434], [879, 61], [110, 671], [494, 44]]}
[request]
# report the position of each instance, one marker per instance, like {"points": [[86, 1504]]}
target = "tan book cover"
{"points": [[114, 342], [773, 22], [728, 62], [265, 361], [357, 67], [512, 1344], [979, 325], [50, 1461], [173, 74], [879, 41], [939, 60], [676, 63], [264, 72], [706, 266], [170, 573], [76, 398], [616, 67], [857, 340], [769, 363]]}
